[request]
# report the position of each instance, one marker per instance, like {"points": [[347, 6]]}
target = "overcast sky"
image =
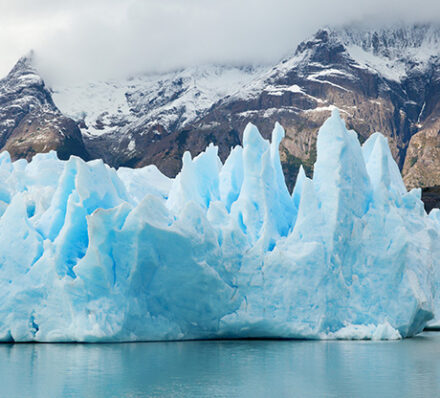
{"points": [[90, 39]]}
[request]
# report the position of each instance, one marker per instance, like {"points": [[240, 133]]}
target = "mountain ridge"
{"points": [[383, 79]]}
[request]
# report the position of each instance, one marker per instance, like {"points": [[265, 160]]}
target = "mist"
{"points": [[104, 39]]}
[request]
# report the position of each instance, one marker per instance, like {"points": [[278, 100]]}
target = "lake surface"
{"points": [[252, 368]]}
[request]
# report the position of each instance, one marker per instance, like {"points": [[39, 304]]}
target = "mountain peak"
{"points": [[390, 41], [24, 65]]}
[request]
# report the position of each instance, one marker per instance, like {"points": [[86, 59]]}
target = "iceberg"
{"points": [[92, 254]]}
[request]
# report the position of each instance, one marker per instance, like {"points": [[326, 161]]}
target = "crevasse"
{"points": [[88, 253]]}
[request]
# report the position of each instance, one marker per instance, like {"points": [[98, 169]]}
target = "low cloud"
{"points": [[101, 39]]}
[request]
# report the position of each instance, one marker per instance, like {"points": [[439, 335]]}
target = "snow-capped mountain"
{"points": [[384, 79], [30, 122], [169, 100]]}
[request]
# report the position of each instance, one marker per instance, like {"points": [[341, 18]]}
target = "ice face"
{"points": [[88, 253]]}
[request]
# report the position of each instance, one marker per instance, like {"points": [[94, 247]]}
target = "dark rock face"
{"points": [[29, 120], [431, 198]]}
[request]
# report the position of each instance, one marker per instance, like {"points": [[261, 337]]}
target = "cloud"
{"points": [[93, 39]]}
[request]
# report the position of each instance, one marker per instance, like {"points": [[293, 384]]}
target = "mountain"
{"points": [[130, 122], [30, 122], [382, 79]]}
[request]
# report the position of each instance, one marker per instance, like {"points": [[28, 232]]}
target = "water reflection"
{"points": [[409, 368]]}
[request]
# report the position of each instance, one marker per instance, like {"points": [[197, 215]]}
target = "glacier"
{"points": [[93, 254]]}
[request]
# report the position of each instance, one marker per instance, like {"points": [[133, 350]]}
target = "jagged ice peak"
{"points": [[223, 250]]}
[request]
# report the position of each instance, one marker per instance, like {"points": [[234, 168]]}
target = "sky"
{"points": [[103, 39]]}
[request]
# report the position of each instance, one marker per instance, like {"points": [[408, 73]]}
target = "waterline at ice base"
{"points": [[88, 253]]}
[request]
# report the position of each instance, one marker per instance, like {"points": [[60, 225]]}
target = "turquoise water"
{"points": [[253, 368]]}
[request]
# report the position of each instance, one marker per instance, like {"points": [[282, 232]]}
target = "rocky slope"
{"points": [[381, 79], [30, 122]]}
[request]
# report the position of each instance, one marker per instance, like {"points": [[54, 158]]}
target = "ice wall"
{"points": [[88, 253]]}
